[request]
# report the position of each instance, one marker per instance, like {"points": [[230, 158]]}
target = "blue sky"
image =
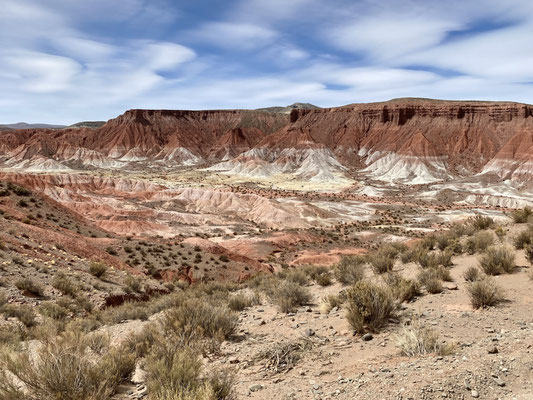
{"points": [[65, 61]]}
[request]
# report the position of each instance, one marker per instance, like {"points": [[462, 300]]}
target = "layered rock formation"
{"points": [[406, 140]]}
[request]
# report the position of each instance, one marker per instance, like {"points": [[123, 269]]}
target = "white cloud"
{"points": [[39, 72], [235, 35], [165, 55]]}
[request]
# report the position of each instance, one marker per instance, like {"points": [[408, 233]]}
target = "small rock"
{"points": [[255, 388], [367, 336], [309, 332], [493, 350], [499, 382], [474, 394]]}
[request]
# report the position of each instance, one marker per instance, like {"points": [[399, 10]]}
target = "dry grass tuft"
{"points": [[415, 340], [283, 357]]}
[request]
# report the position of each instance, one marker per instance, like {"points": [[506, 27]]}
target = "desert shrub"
{"points": [[175, 372], [18, 190], [426, 259], [54, 311], [289, 295], [471, 274], [331, 301], [497, 260], [428, 242], [429, 278], [239, 302], [522, 215], [29, 286], [313, 271], [133, 284], [523, 238], [480, 222], [64, 285], [324, 279], [416, 339], [23, 313], [500, 233], [444, 240], [65, 369], [369, 306], [445, 258], [3, 300], [97, 269], [126, 311], [484, 293], [350, 269], [297, 276], [11, 335], [404, 290], [528, 250], [140, 343], [382, 261], [478, 242], [195, 318]]}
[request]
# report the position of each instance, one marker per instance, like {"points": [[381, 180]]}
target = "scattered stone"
{"points": [[493, 350], [474, 394], [309, 332], [256, 387], [499, 382], [367, 337]]}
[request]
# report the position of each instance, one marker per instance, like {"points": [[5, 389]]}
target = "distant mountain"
{"points": [[88, 124], [289, 108], [24, 125]]}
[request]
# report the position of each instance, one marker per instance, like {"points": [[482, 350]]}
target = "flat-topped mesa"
{"points": [[401, 110], [240, 118]]}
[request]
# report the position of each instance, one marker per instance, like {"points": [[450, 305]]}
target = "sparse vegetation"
{"points": [[430, 279], [416, 339], [98, 269], [484, 293], [404, 290], [479, 242], [30, 287], [284, 356], [369, 306], [288, 295], [65, 369], [350, 269], [497, 260], [522, 215], [471, 274], [480, 222]]}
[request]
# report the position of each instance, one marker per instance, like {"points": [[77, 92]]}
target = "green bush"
{"points": [[369, 306], [382, 261], [64, 285]]}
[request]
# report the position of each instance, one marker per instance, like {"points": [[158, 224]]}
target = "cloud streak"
{"points": [[68, 61]]}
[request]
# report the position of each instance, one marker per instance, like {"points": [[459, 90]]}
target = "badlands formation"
{"points": [[110, 225]]}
